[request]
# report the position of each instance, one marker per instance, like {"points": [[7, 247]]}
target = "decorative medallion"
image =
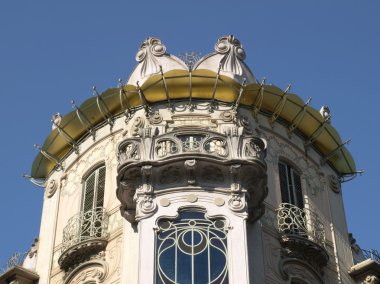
{"points": [[334, 183], [51, 188], [137, 126], [155, 118]]}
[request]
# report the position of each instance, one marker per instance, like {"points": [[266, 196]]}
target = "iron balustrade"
{"points": [[371, 254], [17, 259], [293, 220], [85, 226]]}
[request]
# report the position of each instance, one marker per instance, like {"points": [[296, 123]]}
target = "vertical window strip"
{"points": [[290, 185]]}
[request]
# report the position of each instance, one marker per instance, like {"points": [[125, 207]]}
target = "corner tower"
{"points": [[193, 172]]}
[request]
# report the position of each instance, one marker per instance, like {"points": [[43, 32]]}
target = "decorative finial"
{"points": [[326, 114], [146, 55], [190, 58], [56, 120], [233, 53]]}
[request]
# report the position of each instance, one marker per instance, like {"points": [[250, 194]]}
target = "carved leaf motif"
{"points": [[233, 54]]}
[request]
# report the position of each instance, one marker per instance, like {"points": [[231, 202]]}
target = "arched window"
{"points": [[92, 204], [93, 191], [191, 249], [290, 183]]}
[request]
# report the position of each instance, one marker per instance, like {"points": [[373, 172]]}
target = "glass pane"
{"points": [[192, 249]]}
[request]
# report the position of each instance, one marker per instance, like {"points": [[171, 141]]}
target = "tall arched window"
{"points": [[191, 249], [92, 204], [290, 183], [93, 192]]}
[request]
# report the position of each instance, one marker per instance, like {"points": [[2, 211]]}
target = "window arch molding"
{"points": [[91, 169], [290, 162], [192, 246], [238, 269]]}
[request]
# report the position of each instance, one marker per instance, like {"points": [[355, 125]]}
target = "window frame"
{"points": [[291, 173], [93, 170]]}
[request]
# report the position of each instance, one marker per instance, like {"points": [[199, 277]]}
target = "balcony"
{"points": [[18, 269], [302, 236], [85, 235], [366, 267]]}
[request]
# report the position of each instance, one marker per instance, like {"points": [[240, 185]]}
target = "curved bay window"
{"points": [[191, 249], [290, 184]]}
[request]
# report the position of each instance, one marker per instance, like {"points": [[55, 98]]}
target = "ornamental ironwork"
{"points": [[192, 249], [85, 226], [371, 254], [293, 220], [17, 259]]}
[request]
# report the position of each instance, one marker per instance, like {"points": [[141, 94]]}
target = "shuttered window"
{"points": [[94, 189], [290, 184]]}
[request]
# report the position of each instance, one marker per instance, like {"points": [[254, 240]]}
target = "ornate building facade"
{"points": [[193, 172]]}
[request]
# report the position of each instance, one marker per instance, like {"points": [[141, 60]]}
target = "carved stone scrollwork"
{"points": [[227, 116], [146, 205], [155, 118], [137, 126], [255, 148], [237, 203], [307, 254], [233, 53], [149, 49], [51, 188], [371, 279], [334, 183], [94, 270], [244, 122], [129, 151]]}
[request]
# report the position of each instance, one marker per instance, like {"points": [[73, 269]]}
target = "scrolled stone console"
{"points": [[188, 159]]}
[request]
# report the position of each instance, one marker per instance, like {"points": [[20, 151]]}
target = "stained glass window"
{"points": [[192, 249]]}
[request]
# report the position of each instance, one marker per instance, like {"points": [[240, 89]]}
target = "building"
{"points": [[193, 172]]}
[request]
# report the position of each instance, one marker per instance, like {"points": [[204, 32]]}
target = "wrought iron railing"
{"points": [[292, 220], [17, 259], [85, 226], [371, 254]]}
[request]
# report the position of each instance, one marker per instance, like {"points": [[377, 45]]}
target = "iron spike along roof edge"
{"points": [[143, 99], [350, 176], [279, 106], [101, 104], [38, 182], [211, 106], [84, 120], [49, 156], [73, 144], [317, 132], [299, 117], [237, 103], [334, 152], [256, 106], [190, 105], [127, 110], [166, 90]]}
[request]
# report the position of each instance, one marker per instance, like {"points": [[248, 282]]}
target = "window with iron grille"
{"points": [[290, 183], [93, 199]]}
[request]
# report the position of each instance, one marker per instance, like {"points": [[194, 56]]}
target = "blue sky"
{"points": [[55, 51]]}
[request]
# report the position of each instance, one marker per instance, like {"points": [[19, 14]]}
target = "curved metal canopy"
{"points": [[175, 84]]}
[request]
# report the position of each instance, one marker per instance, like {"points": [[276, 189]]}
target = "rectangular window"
{"points": [[290, 184]]}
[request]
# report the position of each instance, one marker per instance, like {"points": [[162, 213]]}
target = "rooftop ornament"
{"points": [[221, 77]]}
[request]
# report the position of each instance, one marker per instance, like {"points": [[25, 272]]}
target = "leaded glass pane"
{"points": [[192, 250]]}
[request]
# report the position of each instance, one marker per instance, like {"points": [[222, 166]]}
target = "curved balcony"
{"points": [[302, 236], [84, 236]]}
